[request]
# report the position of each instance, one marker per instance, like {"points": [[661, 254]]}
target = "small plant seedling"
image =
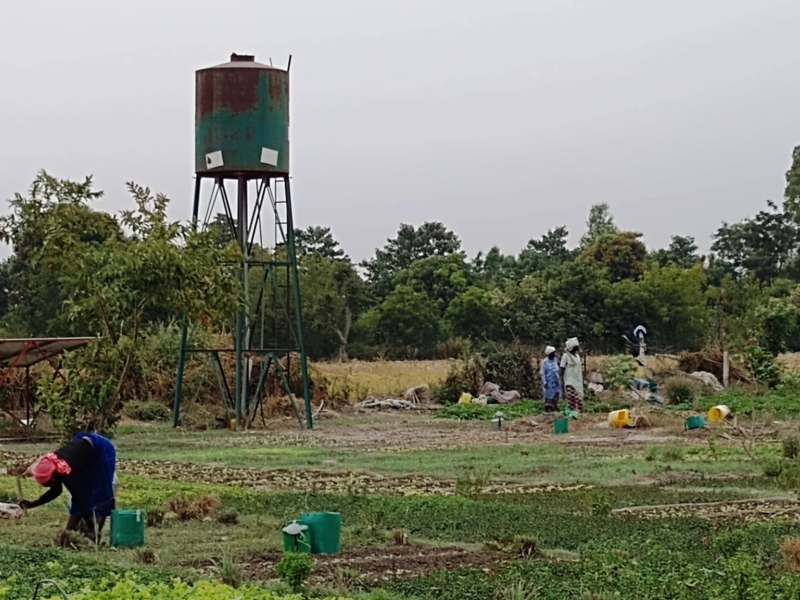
{"points": [[519, 590], [294, 570]]}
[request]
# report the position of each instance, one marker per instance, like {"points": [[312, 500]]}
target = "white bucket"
{"points": [[718, 413]]}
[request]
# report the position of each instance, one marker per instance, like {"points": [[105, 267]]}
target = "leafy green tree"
{"points": [[670, 301], [494, 267], [765, 245], [111, 285], [319, 241], [623, 255], [220, 230], [549, 307], [682, 252], [407, 323], [599, 224], [473, 315], [410, 244], [51, 206], [441, 278], [547, 252], [333, 297]]}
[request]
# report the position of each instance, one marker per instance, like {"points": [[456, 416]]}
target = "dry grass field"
{"points": [[355, 380]]}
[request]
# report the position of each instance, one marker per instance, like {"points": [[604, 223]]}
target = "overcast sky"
{"points": [[502, 119]]}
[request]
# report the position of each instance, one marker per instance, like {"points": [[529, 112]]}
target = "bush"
{"points": [[514, 368], [294, 569], [679, 391], [148, 411], [790, 551], [463, 377], [772, 468], [619, 373], [790, 447], [763, 366]]}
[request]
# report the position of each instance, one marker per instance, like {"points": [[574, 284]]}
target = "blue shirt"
{"points": [[551, 382]]}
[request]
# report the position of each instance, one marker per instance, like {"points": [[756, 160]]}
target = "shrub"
{"points": [[772, 468], [514, 368], [197, 508], [679, 391], [790, 447], [147, 411], [294, 569], [463, 377], [790, 551], [763, 366], [619, 372]]}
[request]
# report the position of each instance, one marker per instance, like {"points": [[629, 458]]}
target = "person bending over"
{"points": [[85, 466]]}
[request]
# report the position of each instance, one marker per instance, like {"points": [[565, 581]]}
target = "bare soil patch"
{"points": [[376, 565]]}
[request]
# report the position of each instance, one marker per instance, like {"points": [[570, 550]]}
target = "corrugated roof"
{"points": [[36, 349]]}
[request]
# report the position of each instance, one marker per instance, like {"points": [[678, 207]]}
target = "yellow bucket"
{"points": [[718, 413], [620, 418]]}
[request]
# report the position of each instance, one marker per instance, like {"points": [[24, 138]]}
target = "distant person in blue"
{"points": [[86, 467], [551, 381]]}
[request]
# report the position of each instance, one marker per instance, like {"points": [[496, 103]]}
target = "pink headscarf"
{"points": [[49, 464]]}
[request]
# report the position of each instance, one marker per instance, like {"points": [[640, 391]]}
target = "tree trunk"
{"points": [[348, 321]]}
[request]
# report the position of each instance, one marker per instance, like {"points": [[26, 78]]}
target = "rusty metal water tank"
{"points": [[242, 119]]}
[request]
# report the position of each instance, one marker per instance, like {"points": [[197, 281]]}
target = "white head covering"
{"points": [[549, 350], [572, 343]]}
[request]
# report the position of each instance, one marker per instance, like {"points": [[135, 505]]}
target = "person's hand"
{"points": [[25, 504]]}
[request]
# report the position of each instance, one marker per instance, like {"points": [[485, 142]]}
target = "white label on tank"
{"points": [[214, 160], [269, 157]]}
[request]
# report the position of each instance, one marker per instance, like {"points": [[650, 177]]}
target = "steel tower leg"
{"points": [[176, 405], [241, 218], [292, 255]]}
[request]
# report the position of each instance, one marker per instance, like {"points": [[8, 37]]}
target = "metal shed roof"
{"points": [[24, 352]]}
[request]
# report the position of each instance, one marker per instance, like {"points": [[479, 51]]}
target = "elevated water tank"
{"points": [[242, 119]]}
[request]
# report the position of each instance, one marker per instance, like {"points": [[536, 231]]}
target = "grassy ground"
{"points": [[460, 495]]}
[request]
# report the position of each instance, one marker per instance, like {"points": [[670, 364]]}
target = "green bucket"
{"points": [[325, 529], [127, 528], [300, 543], [695, 422], [561, 425]]}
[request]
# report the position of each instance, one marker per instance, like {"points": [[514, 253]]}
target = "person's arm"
{"points": [[53, 492]]}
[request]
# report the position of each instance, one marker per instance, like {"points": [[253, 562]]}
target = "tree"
{"points": [[682, 252], [600, 223], [765, 245], [333, 297], [51, 206], [318, 240], [410, 244], [407, 323], [622, 254], [472, 315], [547, 252], [494, 268], [669, 301], [111, 285], [440, 278]]}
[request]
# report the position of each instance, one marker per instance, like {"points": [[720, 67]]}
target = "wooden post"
{"points": [[725, 369]]}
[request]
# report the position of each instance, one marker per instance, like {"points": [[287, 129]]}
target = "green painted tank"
{"points": [[242, 119]]}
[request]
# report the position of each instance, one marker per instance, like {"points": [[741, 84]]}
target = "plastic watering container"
{"points": [[561, 425], [695, 422], [325, 529], [127, 528], [718, 413], [296, 538], [620, 418]]}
